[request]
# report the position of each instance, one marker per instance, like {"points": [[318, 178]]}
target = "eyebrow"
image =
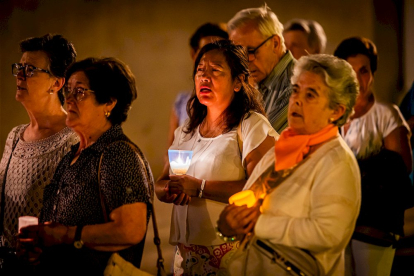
{"points": [[313, 90]]}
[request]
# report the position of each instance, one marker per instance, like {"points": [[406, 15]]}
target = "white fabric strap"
{"points": [[203, 183]]}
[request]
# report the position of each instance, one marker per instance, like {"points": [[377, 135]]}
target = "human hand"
{"points": [[184, 184], [238, 220], [177, 199], [44, 235], [27, 252]]}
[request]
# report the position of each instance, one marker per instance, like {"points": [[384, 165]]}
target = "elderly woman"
{"points": [[33, 150], [103, 169], [311, 178], [223, 104], [380, 139]]}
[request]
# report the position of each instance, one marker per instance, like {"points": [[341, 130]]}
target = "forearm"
{"points": [[221, 190], [160, 188]]}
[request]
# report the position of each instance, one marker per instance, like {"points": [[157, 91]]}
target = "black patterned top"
{"points": [[72, 198]]}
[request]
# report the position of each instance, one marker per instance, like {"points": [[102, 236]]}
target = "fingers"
{"points": [[182, 199]]}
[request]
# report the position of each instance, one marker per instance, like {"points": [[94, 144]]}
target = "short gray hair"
{"points": [[266, 20], [312, 29], [338, 76]]}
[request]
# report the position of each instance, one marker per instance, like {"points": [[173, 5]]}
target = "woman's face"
{"points": [[362, 67], [309, 110], [37, 87], [87, 113], [213, 82]]}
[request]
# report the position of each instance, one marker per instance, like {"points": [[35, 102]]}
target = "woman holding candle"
{"points": [[33, 150], [311, 179], [97, 202], [222, 110]]}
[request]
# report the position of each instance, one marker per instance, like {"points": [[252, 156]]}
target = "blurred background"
{"points": [[152, 37]]}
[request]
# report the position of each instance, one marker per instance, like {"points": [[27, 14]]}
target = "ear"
{"points": [[58, 84], [238, 82], [338, 112], [276, 44], [111, 104]]}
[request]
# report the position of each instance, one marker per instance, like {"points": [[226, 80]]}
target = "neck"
{"points": [[213, 124], [363, 105], [44, 122], [91, 134]]}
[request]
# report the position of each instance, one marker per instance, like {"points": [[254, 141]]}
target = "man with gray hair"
{"points": [[270, 64], [303, 37]]}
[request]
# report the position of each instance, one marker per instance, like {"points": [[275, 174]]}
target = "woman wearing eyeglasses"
{"points": [[103, 175], [33, 150]]}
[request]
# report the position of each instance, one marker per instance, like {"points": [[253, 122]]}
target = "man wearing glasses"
{"points": [[270, 64]]}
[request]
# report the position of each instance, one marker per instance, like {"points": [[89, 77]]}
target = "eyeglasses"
{"points": [[252, 53], [78, 93], [28, 70]]}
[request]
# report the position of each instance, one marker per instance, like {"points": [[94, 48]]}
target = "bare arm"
{"points": [[127, 226], [398, 141]]}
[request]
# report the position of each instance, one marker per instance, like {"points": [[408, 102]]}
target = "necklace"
{"points": [[212, 131]]}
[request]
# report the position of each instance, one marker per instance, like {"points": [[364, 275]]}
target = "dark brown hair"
{"points": [[358, 45], [244, 101], [109, 78], [60, 51]]}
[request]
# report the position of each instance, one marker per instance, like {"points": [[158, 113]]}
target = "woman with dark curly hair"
{"points": [[223, 103], [33, 150], [97, 202]]}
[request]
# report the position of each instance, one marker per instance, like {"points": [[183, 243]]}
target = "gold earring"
{"points": [[331, 120], [107, 114]]}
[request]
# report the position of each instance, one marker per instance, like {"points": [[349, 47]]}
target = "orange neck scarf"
{"points": [[291, 147]]}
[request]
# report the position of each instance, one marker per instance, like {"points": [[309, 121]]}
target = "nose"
{"points": [[251, 57], [21, 75], [295, 99], [204, 76]]}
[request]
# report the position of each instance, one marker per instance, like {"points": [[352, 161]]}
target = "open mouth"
{"points": [[21, 88], [294, 114], [205, 89]]}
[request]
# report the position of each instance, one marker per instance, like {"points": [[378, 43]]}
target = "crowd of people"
{"points": [[269, 114]]}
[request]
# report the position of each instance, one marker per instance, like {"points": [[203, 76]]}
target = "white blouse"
{"points": [[214, 159], [366, 134]]}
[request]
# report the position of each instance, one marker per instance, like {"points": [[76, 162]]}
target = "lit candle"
{"points": [[177, 163], [243, 198]]}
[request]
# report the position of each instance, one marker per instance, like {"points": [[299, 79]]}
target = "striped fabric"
{"points": [[276, 90]]}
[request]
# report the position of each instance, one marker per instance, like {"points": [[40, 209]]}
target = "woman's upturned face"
{"points": [[37, 87], [86, 113], [309, 110], [213, 82], [362, 67]]}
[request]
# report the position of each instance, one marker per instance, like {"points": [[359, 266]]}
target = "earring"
{"points": [[331, 120], [51, 92], [107, 114]]}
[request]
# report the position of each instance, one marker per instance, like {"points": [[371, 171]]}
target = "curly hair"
{"points": [[338, 76]]}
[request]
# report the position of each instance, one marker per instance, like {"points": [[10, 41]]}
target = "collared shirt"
{"points": [[276, 90], [73, 197]]}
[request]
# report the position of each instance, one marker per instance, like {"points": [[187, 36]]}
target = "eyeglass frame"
{"points": [[66, 92], [24, 68], [253, 51]]}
